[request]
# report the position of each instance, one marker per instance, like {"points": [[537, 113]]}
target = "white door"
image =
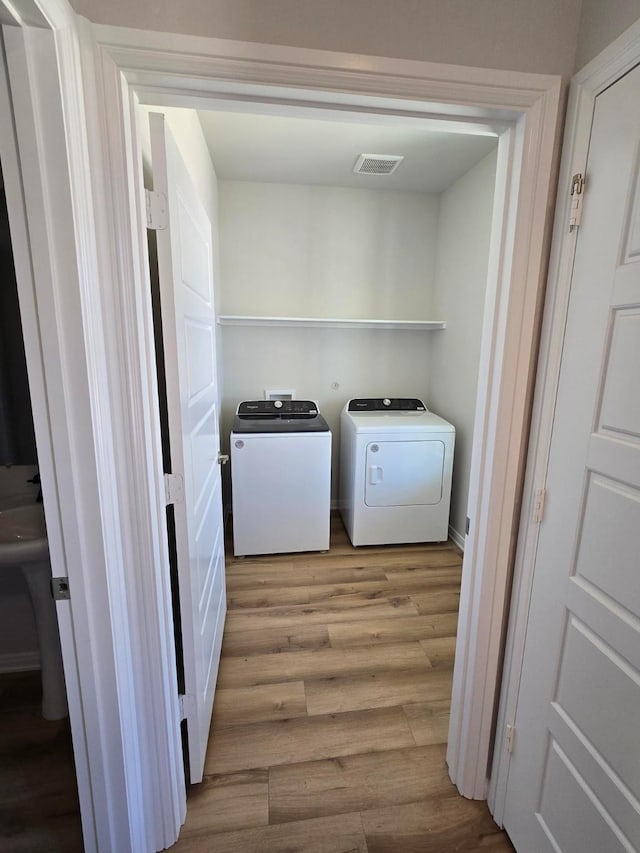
{"points": [[188, 329], [574, 779]]}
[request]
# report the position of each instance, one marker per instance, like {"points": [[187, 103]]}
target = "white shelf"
{"points": [[329, 322]]}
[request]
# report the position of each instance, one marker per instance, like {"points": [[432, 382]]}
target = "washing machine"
{"points": [[280, 477], [396, 460]]}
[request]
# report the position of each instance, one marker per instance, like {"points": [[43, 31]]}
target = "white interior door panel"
{"points": [[574, 778], [185, 270]]}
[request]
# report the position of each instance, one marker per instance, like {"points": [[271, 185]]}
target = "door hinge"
{"points": [[187, 704], [467, 526], [60, 589], [509, 737], [223, 458], [156, 204], [538, 505], [173, 488], [575, 211]]}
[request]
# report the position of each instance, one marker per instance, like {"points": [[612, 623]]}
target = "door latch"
{"points": [[60, 589]]}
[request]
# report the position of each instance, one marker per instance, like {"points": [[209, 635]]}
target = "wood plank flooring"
{"points": [[39, 808], [332, 709]]}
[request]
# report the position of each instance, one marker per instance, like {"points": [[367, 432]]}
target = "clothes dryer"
{"points": [[396, 461]]}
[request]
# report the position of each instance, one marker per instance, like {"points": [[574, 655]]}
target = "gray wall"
{"points": [[601, 22], [545, 36], [519, 35]]}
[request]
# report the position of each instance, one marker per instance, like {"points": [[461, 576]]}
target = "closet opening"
{"points": [[335, 285]]}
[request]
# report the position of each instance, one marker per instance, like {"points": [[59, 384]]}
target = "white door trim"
{"points": [[132, 794], [121, 66], [51, 257], [612, 64]]}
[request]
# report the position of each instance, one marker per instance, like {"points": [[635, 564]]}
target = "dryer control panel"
{"points": [[386, 404]]}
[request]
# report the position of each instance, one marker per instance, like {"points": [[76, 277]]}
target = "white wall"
{"points": [[325, 252], [458, 296], [511, 34], [601, 23], [311, 251], [369, 363]]}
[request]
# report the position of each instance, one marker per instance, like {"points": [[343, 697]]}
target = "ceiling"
{"points": [[292, 150]]}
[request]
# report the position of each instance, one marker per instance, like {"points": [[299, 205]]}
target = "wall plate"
{"points": [[280, 394]]}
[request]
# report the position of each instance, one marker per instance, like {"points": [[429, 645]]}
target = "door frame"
{"points": [[44, 152], [122, 67], [608, 67]]}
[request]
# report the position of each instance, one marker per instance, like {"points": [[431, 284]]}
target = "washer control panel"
{"points": [[386, 404], [277, 409]]}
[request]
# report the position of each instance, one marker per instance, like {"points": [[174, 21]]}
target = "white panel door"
{"points": [[574, 779], [404, 473], [188, 329]]}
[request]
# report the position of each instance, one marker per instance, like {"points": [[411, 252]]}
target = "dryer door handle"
{"points": [[375, 474]]}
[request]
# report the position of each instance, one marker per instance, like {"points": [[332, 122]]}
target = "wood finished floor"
{"points": [[332, 709], [39, 811]]}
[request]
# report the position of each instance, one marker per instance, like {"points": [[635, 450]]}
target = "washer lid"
{"points": [[277, 409], [260, 416]]}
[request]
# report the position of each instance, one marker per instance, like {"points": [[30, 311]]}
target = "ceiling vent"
{"points": [[377, 164]]}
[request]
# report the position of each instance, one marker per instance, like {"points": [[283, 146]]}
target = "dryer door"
{"points": [[404, 473]]}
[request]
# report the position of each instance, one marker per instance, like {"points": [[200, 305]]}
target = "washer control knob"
{"points": [[278, 404], [386, 402]]}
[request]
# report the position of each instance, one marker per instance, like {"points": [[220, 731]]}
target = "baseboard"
{"points": [[458, 538], [19, 661]]}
